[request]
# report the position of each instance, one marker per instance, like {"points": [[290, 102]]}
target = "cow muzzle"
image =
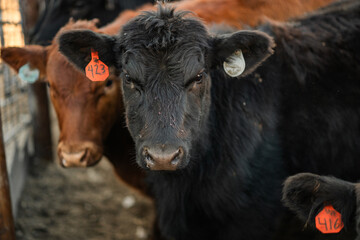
{"points": [[79, 155], [163, 158]]}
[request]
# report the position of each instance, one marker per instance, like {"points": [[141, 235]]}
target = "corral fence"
{"points": [[14, 104]]}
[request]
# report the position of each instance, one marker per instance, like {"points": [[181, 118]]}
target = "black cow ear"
{"points": [[307, 193], [241, 52], [76, 45]]}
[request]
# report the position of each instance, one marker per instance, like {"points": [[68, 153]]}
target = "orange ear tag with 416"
{"points": [[96, 70], [329, 220]]}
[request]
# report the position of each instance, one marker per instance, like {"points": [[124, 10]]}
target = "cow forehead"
{"points": [[162, 29], [179, 64], [165, 38]]}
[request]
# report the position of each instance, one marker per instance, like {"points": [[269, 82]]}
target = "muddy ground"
{"points": [[91, 204]]}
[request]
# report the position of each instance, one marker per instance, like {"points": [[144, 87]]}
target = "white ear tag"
{"points": [[29, 75], [234, 65]]}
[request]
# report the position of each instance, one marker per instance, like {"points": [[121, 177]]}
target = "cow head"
{"points": [[166, 61], [86, 110]]}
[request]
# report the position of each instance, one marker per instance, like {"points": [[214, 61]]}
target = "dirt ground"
{"points": [[81, 204]]}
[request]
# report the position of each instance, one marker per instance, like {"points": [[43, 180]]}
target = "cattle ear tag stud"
{"points": [[27, 74], [234, 65], [96, 70], [329, 220]]}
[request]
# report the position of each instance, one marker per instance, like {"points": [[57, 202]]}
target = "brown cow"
{"points": [[90, 114]]}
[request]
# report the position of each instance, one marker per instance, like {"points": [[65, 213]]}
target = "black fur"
{"points": [[80, 50], [306, 194], [299, 110]]}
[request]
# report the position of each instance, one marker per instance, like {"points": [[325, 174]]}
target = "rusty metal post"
{"points": [[7, 231]]}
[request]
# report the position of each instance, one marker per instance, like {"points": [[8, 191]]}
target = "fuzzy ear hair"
{"points": [[76, 46], [306, 193], [29, 61], [242, 52]]}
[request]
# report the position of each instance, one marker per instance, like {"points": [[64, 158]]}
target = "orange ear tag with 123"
{"points": [[96, 70], [329, 220]]}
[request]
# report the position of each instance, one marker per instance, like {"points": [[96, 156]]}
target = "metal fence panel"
{"points": [[14, 103]]}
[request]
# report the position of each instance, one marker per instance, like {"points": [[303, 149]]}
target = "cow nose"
{"points": [[163, 158], [79, 154], [73, 159]]}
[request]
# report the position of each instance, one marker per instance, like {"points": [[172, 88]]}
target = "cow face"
{"points": [[86, 110], [166, 61]]}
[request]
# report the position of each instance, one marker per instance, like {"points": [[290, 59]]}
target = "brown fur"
{"points": [[235, 13]]}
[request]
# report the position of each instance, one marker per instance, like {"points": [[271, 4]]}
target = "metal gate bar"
{"points": [[7, 231]]}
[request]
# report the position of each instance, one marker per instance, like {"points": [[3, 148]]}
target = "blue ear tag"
{"points": [[29, 75]]}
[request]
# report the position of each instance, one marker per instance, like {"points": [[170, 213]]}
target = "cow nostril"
{"points": [[177, 156], [175, 161], [84, 155], [148, 159]]}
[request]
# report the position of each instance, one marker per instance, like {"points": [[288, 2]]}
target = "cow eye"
{"points": [[198, 79], [128, 79], [195, 81], [48, 84], [131, 82], [108, 83]]}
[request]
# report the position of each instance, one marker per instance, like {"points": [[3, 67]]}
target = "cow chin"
{"points": [[79, 155]]}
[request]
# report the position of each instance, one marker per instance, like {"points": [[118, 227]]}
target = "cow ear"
{"points": [[306, 193], [240, 53], [28, 61], [77, 45]]}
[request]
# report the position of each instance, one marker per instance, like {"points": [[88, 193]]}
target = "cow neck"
{"points": [[242, 116]]}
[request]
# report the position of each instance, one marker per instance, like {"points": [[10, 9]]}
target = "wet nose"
{"points": [[73, 159], [79, 154], [163, 158]]}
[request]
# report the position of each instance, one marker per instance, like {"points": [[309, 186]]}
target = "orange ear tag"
{"points": [[329, 220], [96, 70]]}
